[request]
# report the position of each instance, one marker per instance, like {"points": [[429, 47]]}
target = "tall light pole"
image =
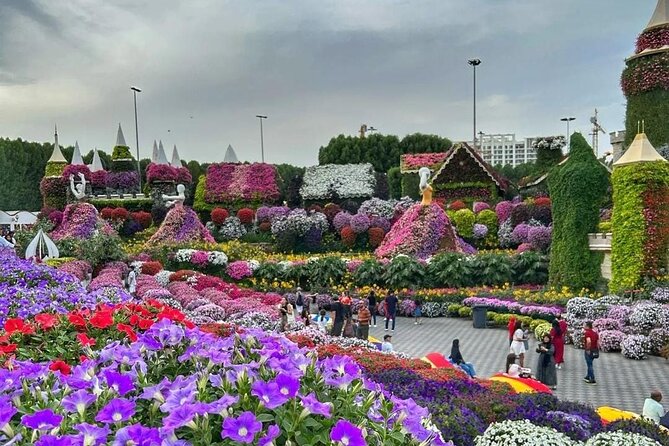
{"points": [[474, 63], [136, 90], [568, 120], [262, 141]]}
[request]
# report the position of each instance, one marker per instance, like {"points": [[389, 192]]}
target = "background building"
{"points": [[504, 149]]}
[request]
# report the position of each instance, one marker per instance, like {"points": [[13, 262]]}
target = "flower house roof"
{"points": [[56, 155], [230, 155], [661, 15], [76, 155], [412, 162], [176, 161], [640, 151], [120, 139], [346, 180], [498, 179], [154, 153], [96, 165]]}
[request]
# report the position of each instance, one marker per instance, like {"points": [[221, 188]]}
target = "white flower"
{"points": [[232, 228], [163, 277], [620, 438], [342, 180], [217, 258], [184, 255], [522, 433]]}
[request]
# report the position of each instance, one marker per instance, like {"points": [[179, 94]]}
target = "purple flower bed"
{"points": [[509, 306]]}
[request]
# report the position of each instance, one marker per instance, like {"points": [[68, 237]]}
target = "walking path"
{"points": [[621, 382]]}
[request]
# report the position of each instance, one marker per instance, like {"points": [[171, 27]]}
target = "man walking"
{"points": [[390, 304], [591, 352], [299, 301], [364, 317]]}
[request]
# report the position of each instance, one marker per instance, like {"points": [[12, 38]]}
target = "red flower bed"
{"points": [[64, 338], [543, 201], [246, 215], [143, 218], [120, 214], [348, 236], [375, 236], [457, 205], [218, 215], [151, 268], [371, 361]]}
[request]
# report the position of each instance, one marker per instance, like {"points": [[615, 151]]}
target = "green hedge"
{"points": [[629, 225], [411, 185], [131, 204], [577, 189], [395, 183], [652, 107]]}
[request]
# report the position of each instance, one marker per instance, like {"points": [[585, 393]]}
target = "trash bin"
{"points": [[480, 316]]}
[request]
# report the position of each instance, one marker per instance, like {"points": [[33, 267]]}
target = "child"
{"points": [[418, 312], [322, 321], [387, 347]]}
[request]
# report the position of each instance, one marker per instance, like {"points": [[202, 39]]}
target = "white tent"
{"points": [[176, 160], [17, 218], [230, 155], [162, 158], [96, 165], [120, 139], [76, 155], [42, 246], [154, 154], [57, 155]]}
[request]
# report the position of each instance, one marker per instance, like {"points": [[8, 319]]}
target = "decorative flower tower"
{"points": [[645, 80], [123, 176], [640, 246], [53, 187]]}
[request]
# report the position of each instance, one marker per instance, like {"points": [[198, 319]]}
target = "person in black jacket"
{"points": [[457, 359], [372, 306]]}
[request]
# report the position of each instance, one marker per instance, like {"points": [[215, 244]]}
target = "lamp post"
{"points": [[136, 90], [568, 120], [262, 142], [474, 63]]}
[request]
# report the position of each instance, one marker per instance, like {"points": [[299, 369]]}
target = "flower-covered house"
{"points": [[337, 182], [458, 174]]}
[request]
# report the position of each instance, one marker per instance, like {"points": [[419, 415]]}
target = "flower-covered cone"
{"points": [[181, 225], [80, 220], [420, 232]]}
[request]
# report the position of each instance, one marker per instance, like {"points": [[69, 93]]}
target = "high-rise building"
{"points": [[505, 149]]}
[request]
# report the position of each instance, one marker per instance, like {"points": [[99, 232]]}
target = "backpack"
{"points": [[300, 300]]}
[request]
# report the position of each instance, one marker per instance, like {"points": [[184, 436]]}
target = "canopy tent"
{"points": [[42, 246], [17, 218]]}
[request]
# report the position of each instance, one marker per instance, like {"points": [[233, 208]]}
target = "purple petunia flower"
{"points": [[52, 440], [78, 401], [347, 434], [242, 429], [221, 405], [119, 382], [42, 420], [118, 409], [312, 405], [7, 411], [179, 397], [288, 386], [93, 435], [269, 394], [273, 433], [137, 435], [184, 416]]}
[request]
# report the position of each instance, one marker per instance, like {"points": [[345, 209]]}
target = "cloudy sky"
{"points": [[317, 68]]}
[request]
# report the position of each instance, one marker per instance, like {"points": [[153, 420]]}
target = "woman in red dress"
{"points": [[557, 336]]}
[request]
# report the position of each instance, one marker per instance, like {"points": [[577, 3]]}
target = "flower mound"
{"points": [[620, 439], [154, 391], [420, 232], [80, 221], [522, 433], [181, 225]]}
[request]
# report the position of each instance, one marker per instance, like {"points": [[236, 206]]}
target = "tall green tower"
{"points": [[645, 80]]}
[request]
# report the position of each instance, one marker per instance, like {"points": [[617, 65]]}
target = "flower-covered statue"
{"points": [[178, 199], [78, 190], [425, 187]]}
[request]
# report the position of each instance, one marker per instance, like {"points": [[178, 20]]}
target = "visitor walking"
{"points": [[364, 317], [456, 358], [546, 372], [390, 307], [349, 330], [306, 317], [511, 328], [346, 302], [132, 281], [526, 336], [418, 312], [284, 309], [337, 317], [591, 352], [313, 303], [557, 336], [372, 306], [299, 301], [387, 346], [518, 344], [652, 409], [322, 320]]}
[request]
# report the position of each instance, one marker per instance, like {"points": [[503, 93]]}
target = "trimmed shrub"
{"points": [[218, 215], [348, 236], [464, 220], [245, 215], [375, 236]]}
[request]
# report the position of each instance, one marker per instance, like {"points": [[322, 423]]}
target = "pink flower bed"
{"points": [[229, 182], [78, 268], [181, 225], [239, 270], [160, 172], [80, 220], [111, 276], [414, 161]]}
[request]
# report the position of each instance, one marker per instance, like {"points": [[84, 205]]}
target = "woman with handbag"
{"points": [[591, 352], [546, 372]]}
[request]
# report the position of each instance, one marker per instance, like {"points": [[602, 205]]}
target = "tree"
{"points": [[287, 174]]}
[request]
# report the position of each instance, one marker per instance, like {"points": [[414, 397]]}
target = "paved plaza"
{"points": [[621, 382]]}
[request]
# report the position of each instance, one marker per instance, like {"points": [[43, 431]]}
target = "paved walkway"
{"points": [[621, 382]]}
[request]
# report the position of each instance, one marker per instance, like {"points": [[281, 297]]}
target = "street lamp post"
{"points": [[474, 63], [136, 90], [568, 120], [262, 142]]}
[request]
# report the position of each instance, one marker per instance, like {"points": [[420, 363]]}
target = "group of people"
{"points": [[550, 350], [7, 239]]}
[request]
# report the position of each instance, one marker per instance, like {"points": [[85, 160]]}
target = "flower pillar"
{"points": [[640, 245], [645, 80]]}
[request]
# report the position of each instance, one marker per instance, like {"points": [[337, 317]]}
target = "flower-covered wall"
{"points": [[640, 223]]}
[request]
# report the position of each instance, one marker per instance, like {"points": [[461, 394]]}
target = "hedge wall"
{"points": [[653, 108], [577, 190], [640, 223]]}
